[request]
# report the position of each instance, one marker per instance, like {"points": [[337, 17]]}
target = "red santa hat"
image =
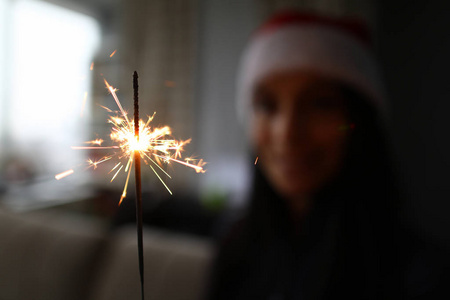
{"points": [[335, 48]]}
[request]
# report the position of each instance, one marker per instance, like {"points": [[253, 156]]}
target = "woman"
{"points": [[323, 216]]}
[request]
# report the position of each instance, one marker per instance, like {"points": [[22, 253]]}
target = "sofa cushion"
{"points": [[175, 266], [48, 256]]}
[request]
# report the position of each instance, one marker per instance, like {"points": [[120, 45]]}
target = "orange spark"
{"points": [[92, 66], [64, 174], [95, 142], [112, 54], [198, 168], [169, 83], [113, 93], [93, 147], [105, 108]]}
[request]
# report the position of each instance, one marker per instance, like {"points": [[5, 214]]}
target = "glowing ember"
{"points": [[63, 174], [95, 142], [169, 83], [155, 146]]}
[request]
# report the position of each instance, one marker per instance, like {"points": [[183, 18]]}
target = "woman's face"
{"points": [[299, 131]]}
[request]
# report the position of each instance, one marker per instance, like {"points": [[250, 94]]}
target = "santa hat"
{"points": [[335, 48]]}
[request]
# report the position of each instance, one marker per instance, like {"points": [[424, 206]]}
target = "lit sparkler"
{"points": [[155, 146], [131, 143]]}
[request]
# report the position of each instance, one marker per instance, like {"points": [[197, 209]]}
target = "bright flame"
{"points": [[155, 146]]}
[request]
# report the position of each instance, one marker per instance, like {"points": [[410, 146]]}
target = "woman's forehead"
{"points": [[298, 80]]}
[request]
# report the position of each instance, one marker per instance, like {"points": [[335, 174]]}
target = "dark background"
{"points": [[414, 47]]}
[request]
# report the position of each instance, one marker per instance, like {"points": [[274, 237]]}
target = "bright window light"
{"points": [[3, 36], [52, 50]]}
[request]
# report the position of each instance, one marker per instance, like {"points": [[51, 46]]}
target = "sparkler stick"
{"points": [[137, 173]]}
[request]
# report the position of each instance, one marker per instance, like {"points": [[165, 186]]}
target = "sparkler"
{"points": [[137, 173], [155, 146], [133, 142]]}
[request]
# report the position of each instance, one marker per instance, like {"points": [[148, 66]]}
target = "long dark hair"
{"points": [[365, 198]]}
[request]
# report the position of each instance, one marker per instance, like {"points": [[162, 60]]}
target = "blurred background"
{"points": [[54, 55]]}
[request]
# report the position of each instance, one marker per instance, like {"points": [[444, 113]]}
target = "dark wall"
{"points": [[414, 47]]}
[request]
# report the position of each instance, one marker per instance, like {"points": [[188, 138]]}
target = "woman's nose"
{"points": [[291, 128]]}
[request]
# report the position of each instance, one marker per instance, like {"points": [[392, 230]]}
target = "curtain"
{"points": [[157, 38]]}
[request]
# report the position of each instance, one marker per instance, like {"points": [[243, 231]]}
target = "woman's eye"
{"points": [[264, 104], [328, 103]]}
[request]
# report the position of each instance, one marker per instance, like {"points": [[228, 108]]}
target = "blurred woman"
{"points": [[323, 217]]}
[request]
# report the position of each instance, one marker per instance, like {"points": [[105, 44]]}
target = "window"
{"points": [[46, 58]]}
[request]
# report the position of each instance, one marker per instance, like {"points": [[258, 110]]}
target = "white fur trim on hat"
{"points": [[312, 47]]}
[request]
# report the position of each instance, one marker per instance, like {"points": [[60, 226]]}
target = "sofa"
{"points": [[54, 255]]}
